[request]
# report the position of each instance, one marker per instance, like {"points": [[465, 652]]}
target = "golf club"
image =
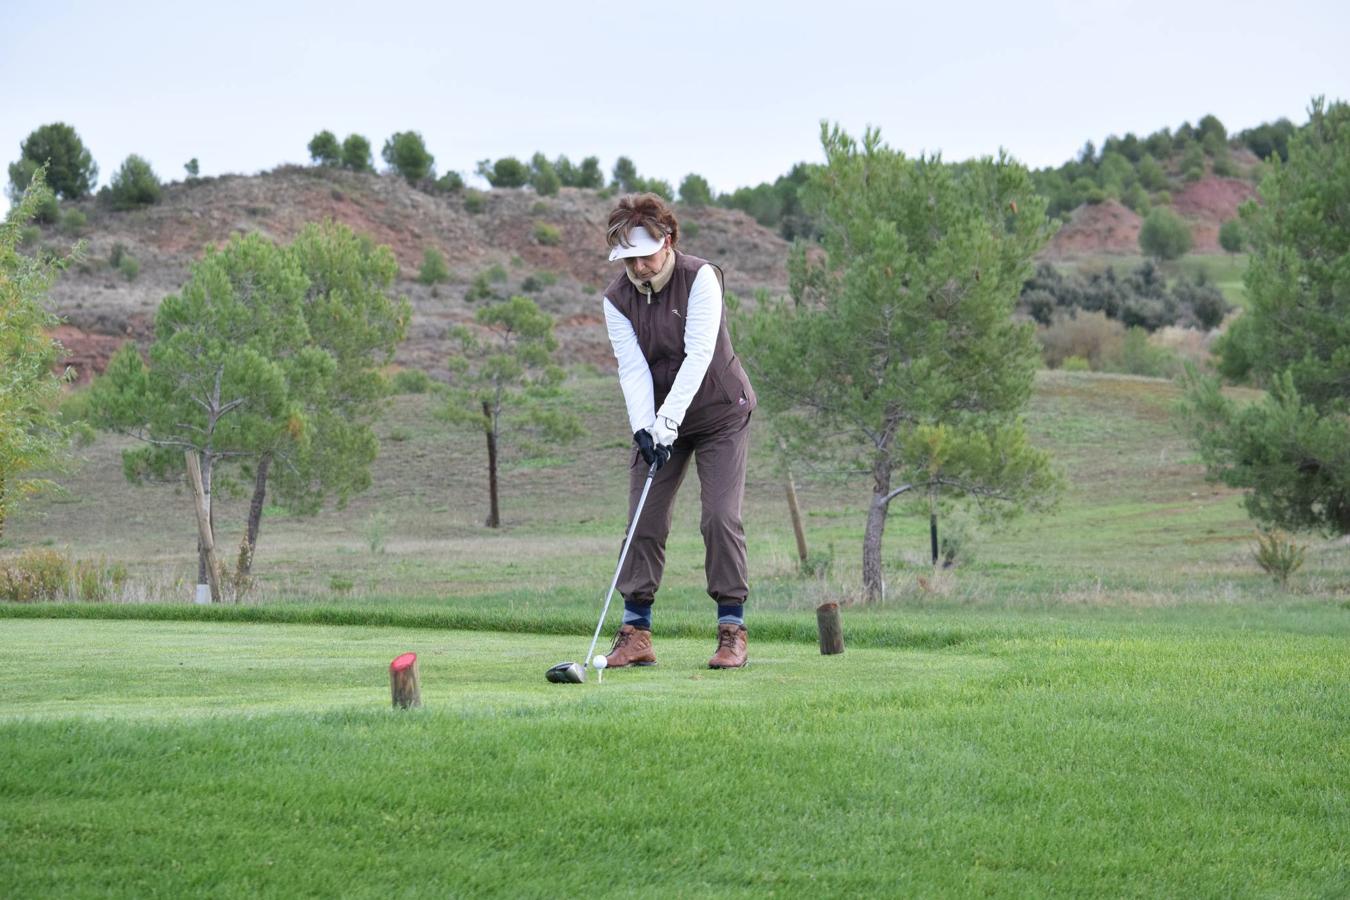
{"points": [[575, 673]]}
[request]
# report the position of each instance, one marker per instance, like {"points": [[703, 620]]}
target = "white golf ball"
{"points": [[599, 662]]}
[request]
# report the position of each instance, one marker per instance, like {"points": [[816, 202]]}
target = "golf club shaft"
{"points": [[632, 528]]}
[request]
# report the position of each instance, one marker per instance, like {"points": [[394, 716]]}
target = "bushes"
{"points": [[1164, 235], [411, 381], [1230, 236], [434, 270], [134, 184], [1141, 297], [35, 576], [546, 234], [544, 177], [1089, 341]]}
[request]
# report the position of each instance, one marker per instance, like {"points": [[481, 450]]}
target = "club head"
{"points": [[566, 673]]}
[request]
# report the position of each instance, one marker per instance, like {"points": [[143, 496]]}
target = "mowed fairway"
{"points": [[1204, 755]]}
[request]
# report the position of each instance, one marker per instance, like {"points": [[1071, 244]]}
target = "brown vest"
{"points": [[725, 395]]}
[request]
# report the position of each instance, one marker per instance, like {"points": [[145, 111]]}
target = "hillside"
{"points": [[102, 308]]}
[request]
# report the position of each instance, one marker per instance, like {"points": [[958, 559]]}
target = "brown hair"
{"points": [[647, 210]]}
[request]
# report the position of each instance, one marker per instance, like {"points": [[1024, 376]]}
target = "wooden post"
{"points": [[494, 519], [404, 682], [204, 524], [830, 628]]}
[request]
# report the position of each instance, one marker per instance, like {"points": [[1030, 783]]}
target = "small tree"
{"points": [[1164, 235], [694, 191], [900, 355], [507, 172], [134, 184], [407, 154], [70, 169], [510, 368], [356, 154], [626, 175], [217, 380], [1230, 236], [353, 320], [31, 435], [324, 149], [192, 168], [544, 177], [1291, 450], [589, 174]]}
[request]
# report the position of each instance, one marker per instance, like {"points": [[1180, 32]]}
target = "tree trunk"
{"points": [[4, 505], [874, 582], [205, 534], [932, 523], [255, 511], [795, 511], [494, 517]]}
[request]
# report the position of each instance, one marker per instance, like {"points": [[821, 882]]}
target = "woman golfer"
{"points": [[687, 397]]}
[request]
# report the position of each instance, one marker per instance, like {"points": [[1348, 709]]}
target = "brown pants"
{"points": [[720, 456]]}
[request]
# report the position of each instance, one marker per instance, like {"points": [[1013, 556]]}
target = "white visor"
{"points": [[643, 244]]}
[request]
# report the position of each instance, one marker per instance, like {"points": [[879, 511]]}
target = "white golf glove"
{"points": [[664, 432]]}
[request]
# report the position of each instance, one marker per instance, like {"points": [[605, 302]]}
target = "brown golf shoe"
{"points": [[730, 647], [632, 647]]}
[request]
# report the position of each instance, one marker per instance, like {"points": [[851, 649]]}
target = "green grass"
{"points": [[1110, 699], [1066, 756]]}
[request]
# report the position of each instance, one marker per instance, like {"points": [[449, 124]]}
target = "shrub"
{"points": [[376, 532], [694, 191], [449, 183], [71, 171], [434, 270], [356, 154], [115, 255], [129, 266], [474, 202], [1137, 356], [1088, 335], [1076, 364], [411, 381], [538, 281], [1151, 174], [73, 221], [1164, 235], [546, 234], [192, 168], [1230, 236], [496, 273], [134, 184], [1136, 198], [480, 288], [34, 576], [1277, 555], [325, 150], [407, 154], [98, 582]]}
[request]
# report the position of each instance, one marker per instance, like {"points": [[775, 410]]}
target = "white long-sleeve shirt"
{"points": [[700, 338]]}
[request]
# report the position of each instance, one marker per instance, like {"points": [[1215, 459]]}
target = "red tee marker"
{"points": [[404, 683]]}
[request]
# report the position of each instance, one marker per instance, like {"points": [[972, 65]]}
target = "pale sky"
{"points": [[733, 91]]}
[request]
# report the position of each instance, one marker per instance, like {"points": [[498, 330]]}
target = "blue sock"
{"points": [[639, 615], [731, 614]]}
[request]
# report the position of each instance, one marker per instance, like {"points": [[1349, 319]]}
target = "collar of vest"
{"points": [[658, 283]]}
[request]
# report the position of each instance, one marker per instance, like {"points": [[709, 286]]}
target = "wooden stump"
{"points": [[831, 629], [404, 682]]}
